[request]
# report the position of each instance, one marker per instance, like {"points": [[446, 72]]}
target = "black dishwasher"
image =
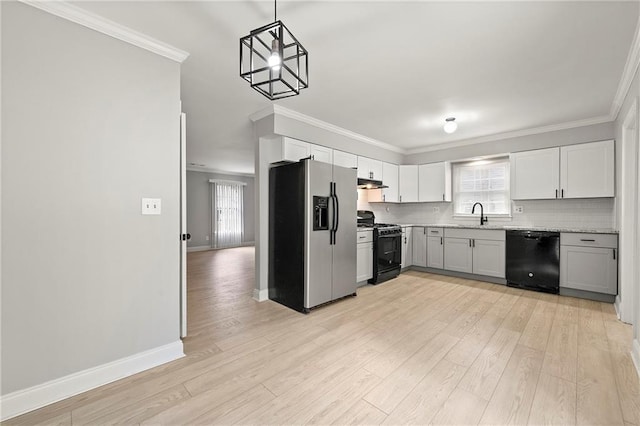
{"points": [[533, 260]]}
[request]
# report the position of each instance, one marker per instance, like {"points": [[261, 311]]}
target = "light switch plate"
{"points": [[518, 209], [151, 206]]}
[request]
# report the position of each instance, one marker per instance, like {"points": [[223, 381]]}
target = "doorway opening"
{"points": [[628, 215]]}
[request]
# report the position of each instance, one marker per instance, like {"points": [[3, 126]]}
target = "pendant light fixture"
{"points": [[450, 125], [273, 61]]}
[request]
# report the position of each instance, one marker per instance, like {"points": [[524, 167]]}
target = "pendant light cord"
{"points": [[275, 10]]}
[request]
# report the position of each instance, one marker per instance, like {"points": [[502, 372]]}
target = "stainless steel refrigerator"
{"points": [[312, 234]]}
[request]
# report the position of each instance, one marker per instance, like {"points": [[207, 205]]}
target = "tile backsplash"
{"points": [[582, 213]]}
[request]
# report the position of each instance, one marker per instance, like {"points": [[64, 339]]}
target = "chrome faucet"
{"points": [[483, 218]]}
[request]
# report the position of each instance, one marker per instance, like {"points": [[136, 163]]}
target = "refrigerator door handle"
{"points": [[336, 212], [332, 195]]}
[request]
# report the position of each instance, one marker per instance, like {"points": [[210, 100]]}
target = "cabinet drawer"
{"points": [[476, 234], [365, 236], [435, 232], [589, 240]]}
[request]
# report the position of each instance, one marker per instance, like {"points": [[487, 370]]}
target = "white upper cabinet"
{"points": [[408, 184], [345, 159], [587, 170], [369, 168], [535, 174], [390, 179], [574, 171], [434, 182], [294, 150], [321, 153]]}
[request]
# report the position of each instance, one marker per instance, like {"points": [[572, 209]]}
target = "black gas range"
{"points": [[387, 247]]}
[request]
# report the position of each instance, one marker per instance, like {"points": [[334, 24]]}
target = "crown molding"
{"points": [[286, 112], [513, 134], [630, 68], [265, 112], [334, 129], [105, 26]]}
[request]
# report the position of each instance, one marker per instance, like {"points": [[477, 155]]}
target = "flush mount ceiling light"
{"points": [[450, 125], [273, 61]]}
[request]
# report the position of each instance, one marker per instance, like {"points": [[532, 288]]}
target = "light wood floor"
{"points": [[419, 349]]}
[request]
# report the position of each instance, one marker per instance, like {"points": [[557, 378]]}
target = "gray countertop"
{"points": [[515, 227]]}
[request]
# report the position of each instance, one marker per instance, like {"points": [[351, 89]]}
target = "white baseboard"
{"points": [[38, 396], [261, 295], [205, 248], [199, 248], [635, 355], [616, 305]]}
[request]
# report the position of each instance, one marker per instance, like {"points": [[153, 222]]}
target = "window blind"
{"points": [[227, 213], [485, 181]]}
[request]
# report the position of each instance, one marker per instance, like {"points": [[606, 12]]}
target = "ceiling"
{"points": [[393, 71]]}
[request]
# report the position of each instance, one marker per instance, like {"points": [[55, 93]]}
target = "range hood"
{"points": [[370, 184]]}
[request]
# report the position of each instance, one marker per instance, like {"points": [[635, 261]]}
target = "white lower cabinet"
{"points": [[475, 251], [364, 256], [407, 247], [489, 258], [458, 254], [419, 246], [589, 262], [435, 248]]}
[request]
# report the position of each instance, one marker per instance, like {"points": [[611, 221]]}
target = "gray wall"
{"points": [[90, 125], [199, 206]]}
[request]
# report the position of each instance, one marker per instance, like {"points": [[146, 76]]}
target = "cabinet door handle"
{"points": [[442, 197], [614, 254], [562, 192], [424, 231], [405, 240], [556, 193], [434, 232], [440, 240], [470, 243], [587, 240], [401, 198], [474, 243], [384, 197]]}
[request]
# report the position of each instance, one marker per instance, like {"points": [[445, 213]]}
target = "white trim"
{"points": [[630, 68], [29, 399], [207, 248], [260, 295], [217, 171], [513, 134], [105, 26], [635, 355], [199, 248], [232, 182], [286, 112], [627, 225]]}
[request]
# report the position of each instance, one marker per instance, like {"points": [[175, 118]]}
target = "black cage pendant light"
{"points": [[273, 61]]}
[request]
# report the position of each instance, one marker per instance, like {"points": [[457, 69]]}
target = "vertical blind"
{"points": [[486, 182], [227, 213]]}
